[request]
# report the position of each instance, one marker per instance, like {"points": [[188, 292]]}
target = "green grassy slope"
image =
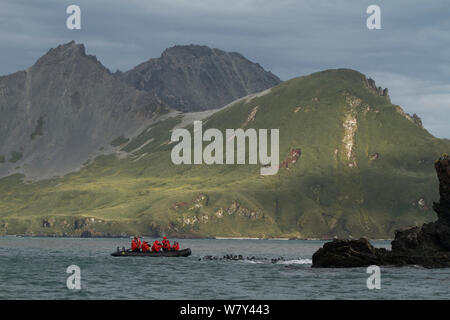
{"points": [[364, 170]]}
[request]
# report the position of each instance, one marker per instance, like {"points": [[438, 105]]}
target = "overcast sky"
{"points": [[410, 54]]}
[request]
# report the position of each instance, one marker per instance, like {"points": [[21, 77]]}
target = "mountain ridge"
{"points": [[197, 78], [68, 86], [57, 113], [353, 164]]}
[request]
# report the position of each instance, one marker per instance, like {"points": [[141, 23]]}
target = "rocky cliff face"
{"points": [[193, 78], [57, 114], [378, 90], [442, 208], [435, 236], [428, 245]]}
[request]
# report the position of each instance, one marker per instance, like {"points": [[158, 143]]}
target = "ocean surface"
{"points": [[35, 268]]}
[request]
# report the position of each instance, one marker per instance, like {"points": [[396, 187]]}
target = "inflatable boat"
{"points": [[180, 253]]}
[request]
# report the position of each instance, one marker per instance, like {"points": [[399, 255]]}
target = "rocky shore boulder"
{"points": [[428, 246], [348, 254]]}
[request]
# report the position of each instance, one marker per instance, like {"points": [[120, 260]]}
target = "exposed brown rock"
{"points": [[292, 158]]}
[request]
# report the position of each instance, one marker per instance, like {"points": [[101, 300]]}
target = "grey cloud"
{"points": [[288, 37]]}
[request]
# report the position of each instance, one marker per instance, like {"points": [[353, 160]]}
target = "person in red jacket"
{"points": [[145, 247], [176, 246], [135, 244], [156, 246], [166, 244]]}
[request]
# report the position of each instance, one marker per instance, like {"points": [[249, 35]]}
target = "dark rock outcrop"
{"points": [[428, 246], [442, 208], [347, 253], [194, 78], [378, 90], [417, 120]]}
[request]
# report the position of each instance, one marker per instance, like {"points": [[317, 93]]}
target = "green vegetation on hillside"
{"points": [[364, 170]]}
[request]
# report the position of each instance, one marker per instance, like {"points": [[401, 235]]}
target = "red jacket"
{"points": [[134, 245], [166, 244], [156, 246], [145, 247], [176, 246]]}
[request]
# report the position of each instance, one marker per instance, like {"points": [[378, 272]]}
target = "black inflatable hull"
{"points": [[181, 253]]}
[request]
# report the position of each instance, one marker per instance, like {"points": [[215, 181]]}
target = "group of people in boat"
{"points": [[142, 246]]}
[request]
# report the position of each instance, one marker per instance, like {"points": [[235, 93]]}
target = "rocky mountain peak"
{"points": [[65, 53], [69, 48], [196, 77], [197, 51], [192, 49], [58, 113]]}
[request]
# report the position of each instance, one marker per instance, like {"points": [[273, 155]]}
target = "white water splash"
{"points": [[296, 261], [253, 262]]}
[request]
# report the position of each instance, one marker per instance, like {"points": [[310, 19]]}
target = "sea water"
{"points": [[35, 268]]}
